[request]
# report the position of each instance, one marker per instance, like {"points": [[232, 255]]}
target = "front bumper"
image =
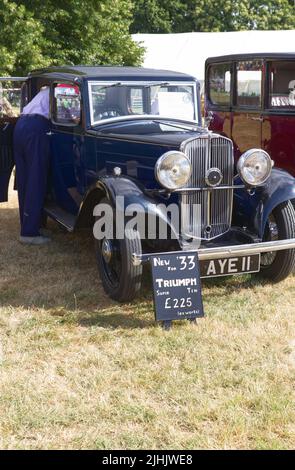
{"points": [[225, 251]]}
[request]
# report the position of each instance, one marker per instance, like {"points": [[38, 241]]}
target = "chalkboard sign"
{"points": [[177, 286]]}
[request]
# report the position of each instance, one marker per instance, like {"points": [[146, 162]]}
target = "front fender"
{"points": [[253, 209], [131, 193]]}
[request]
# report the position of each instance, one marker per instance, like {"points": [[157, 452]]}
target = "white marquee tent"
{"points": [[187, 52]]}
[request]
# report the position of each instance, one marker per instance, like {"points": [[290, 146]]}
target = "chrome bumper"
{"points": [[225, 251]]}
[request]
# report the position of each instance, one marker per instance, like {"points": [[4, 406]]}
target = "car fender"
{"points": [[132, 192], [253, 207]]}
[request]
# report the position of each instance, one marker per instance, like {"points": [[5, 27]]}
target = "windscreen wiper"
{"points": [[110, 86], [145, 86], [157, 84]]}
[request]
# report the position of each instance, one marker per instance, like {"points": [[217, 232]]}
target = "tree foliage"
{"points": [[36, 33], [20, 38], [178, 16]]}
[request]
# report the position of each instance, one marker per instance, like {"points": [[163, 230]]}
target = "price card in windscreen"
{"points": [[177, 286]]}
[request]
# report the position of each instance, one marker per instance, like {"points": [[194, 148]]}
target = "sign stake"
{"points": [[166, 325]]}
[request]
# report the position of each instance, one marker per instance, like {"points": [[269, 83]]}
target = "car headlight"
{"points": [[254, 167], [173, 170]]}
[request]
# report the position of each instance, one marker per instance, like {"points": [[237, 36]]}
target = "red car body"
{"points": [[251, 99]]}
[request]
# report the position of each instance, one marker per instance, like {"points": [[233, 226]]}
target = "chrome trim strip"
{"points": [[188, 190], [13, 79], [225, 251]]}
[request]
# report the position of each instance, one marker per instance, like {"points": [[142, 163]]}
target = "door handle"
{"points": [[260, 119], [49, 133]]}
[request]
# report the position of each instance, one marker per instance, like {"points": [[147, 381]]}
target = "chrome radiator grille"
{"points": [[212, 217]]}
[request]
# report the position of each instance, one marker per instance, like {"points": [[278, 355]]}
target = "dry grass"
{"points": [[79, 371]]}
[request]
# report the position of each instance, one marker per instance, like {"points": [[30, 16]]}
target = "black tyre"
{"points": [[121, 280], [276, 266]]}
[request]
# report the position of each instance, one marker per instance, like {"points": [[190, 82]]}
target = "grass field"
{"points": [[79, 371]]}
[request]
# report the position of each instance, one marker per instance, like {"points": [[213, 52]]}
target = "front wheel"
{"points": [[276, 266], [121, 280]]}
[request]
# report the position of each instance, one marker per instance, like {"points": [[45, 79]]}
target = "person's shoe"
{"points": [[40, 240]]}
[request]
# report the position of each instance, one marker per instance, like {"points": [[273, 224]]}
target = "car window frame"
{"points": [[275, 109], [52, 100], [246, 107], [215, 106]]}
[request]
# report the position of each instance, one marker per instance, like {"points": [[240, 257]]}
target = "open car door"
{"points": [[12, 94]]}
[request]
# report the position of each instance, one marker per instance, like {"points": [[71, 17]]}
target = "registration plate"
{"points": [[230, 266]]}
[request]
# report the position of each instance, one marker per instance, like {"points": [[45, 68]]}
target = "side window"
{"points": [[67, 104], [219, 84], [10, 99], [282, 84], [249, 83], [136, 101]]}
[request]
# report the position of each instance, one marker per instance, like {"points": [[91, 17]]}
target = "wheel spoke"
{"points": [[272, 234]]}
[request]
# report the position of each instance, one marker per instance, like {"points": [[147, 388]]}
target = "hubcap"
{"points": [[107, 250], [273, 234]]}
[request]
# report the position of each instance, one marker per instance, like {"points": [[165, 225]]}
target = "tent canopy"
{"points": [[187, 52]]}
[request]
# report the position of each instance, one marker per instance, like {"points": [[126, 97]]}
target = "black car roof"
{"points": [[252, 55], [109, 72]]}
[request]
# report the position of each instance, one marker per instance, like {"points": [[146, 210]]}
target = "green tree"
{"points": [[49, 32], [177, 16], [90, 31], [20, 39], [160, 16]]}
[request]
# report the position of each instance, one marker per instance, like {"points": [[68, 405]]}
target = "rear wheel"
{"points": [[121, 280], [276, 266]]}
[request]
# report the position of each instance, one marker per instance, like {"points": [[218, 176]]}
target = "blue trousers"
{"points": [[31, 154]]}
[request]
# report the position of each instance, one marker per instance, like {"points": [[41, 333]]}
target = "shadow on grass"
{"points": [[62, 279], [234, 283], [116, 321]]}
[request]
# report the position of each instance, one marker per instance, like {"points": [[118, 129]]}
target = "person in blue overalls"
{"points": [[31, 154]]}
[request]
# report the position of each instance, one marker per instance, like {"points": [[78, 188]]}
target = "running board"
{"points": [[61, 216]]}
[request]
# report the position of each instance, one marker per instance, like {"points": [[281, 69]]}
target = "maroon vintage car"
{"points": [[251, 99]]}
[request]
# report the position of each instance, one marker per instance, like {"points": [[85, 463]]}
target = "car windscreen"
{"points": [[114, 100]]}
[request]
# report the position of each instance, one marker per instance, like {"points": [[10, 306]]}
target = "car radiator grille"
{"points": [[207, 212]]}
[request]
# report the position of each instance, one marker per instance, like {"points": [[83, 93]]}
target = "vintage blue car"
{"points": [[126, 137]]}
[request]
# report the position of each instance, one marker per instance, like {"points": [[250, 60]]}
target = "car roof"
{"points": [[252, 55], [109, 73]]}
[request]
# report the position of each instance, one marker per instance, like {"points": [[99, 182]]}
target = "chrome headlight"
{"points": [[254, 167], [173, 170]]}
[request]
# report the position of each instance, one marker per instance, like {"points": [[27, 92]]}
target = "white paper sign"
{"points": [[176, 104]]}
